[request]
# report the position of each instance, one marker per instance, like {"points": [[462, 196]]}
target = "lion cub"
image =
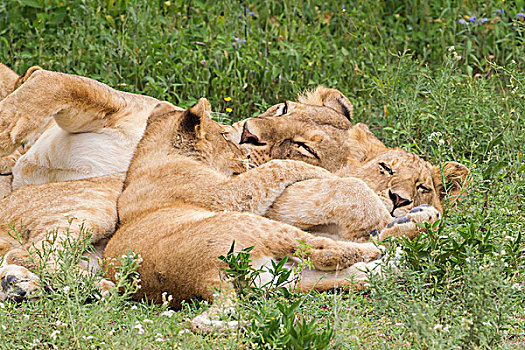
{"points": [[187, 197]]}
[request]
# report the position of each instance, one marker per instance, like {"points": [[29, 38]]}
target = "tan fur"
{"points": [[380, 182], [8, 80], [80, 130], [183, 205], [87, 128], [82, 106]]}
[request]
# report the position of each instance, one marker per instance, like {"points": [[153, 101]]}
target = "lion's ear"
{"points": [[450, 178], [194, 119], [331, 98]]}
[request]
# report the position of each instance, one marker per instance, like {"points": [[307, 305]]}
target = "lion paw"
{"points": [[344, 255], [406, 225], [18, 283], [105, 286]]}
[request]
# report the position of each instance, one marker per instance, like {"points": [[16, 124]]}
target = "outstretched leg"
{"points": [[77, 104], [343, 208]]}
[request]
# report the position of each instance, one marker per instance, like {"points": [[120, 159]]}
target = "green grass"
{"points": [[395, 63]]}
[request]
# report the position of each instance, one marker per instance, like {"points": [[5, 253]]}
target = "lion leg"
{"points": [[407, 225], [340, 208], [77, 104]]}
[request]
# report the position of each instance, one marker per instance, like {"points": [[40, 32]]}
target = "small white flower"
{"points": [[134, 307], [89, 337], [54, 334], [147, 321], [445, 329], [2, 306], [438, 327], [4, 328], [452, 48], [168, 313], [516, 286], [441, 142], [67, 289], [60, 324], [503, 252], [139, 328]]}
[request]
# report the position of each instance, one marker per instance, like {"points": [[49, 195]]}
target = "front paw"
{"points": [[406, 225], [18, 283]]}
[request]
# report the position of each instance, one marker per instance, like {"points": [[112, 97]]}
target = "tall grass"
{"points": [[425, 76]]}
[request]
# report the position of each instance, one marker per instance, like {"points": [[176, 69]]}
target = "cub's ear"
{"points": [[450, 178], [331, 98], [194, 119]]}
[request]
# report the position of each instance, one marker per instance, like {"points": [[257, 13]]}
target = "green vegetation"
{"points": [[424, 75]]}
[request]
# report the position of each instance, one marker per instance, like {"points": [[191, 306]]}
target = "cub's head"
{"points": [[191, 133], [317, 130]]}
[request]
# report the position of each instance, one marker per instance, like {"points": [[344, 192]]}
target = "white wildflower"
{"points": [[159, 338], [516, 286], [34, 343], [452, 48], [139, 328], [67, 289], [168, 313], [4, 328], [147, 321], [89, 337], [441, 142], [54, 334], [134, 307], [60, 324], [438, 327]]}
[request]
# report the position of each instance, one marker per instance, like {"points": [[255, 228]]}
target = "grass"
{"points": [[456, 289]]}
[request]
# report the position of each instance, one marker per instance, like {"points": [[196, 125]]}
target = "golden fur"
{"points": [[318, 131], [66, 141], [82, 105], [186, 198]]}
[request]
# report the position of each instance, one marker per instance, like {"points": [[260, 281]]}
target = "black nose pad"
{"points": [[397, 200]]}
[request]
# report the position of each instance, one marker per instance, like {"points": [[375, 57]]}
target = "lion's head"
{"points": [[318, 130]]}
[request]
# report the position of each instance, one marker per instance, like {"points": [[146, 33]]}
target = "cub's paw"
{"points": [[18, 283], [344, 255], [105, 286], [406, 225]]}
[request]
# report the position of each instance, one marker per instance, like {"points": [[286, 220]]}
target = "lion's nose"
{"points": [[397, 200]]}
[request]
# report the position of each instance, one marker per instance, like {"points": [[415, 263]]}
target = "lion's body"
{"points": [[67, 142], [182, 207], [90, 131]]}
